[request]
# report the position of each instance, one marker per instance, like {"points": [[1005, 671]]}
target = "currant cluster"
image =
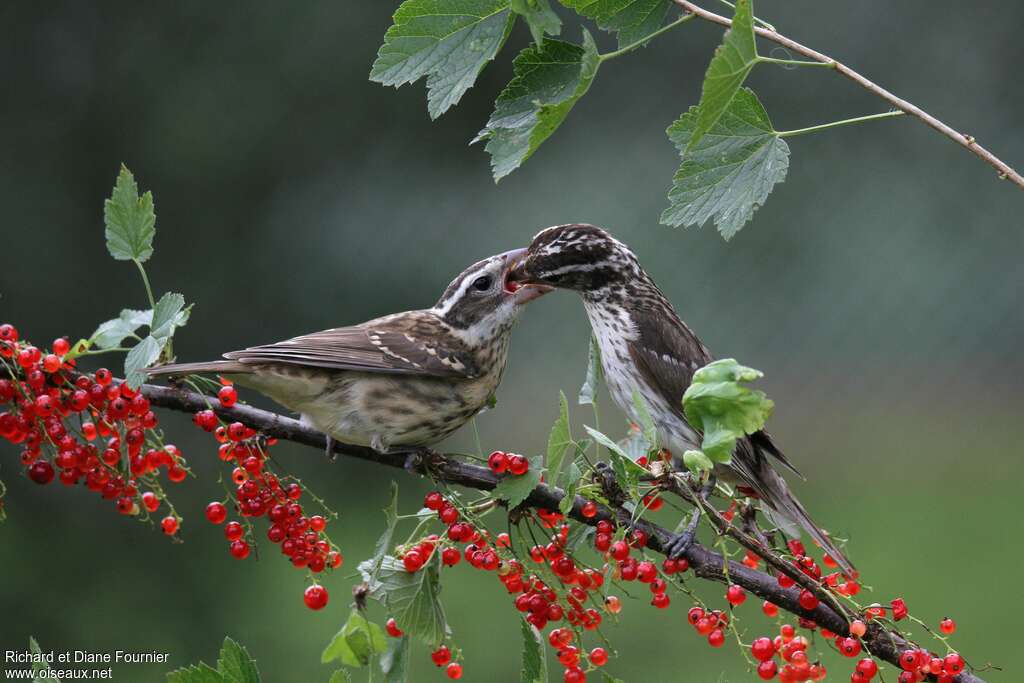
{"points": [[258, 492], [82, 429], [513, 463]]}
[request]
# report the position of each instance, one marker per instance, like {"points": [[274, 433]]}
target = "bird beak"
{"points": [[522, 293]]}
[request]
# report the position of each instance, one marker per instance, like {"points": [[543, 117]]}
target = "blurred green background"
{"points": [[878, 289]]}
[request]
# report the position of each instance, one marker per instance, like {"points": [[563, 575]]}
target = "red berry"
{"points": [[433, 501], [41, 472], [947, 626], [589, 509], [716, 638], [441, 655], [598, 656], [518, 465], [808, 600], [216, 512], [315, 597], [103, 377], [412, 561], [735, 595], [450, 557], [867, 668], [766, 670], [660, 600], [150, 501], [858, 628], [770, 609], [454, 671], [239, 550], [233, 531], [953, 663], [619, 550], [498, 462], [899, 609], [849, 647], [391, 626], [227, 396], [694, 615], [763, 649], [169, 524]]}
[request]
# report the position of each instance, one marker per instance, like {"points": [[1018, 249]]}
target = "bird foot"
{"points": [[331, 455], [678, 544]]}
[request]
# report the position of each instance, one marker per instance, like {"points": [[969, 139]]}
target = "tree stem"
{"points": [[793, 62], [966, 141], [837, 124]]}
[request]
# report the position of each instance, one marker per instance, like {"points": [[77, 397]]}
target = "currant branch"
{"points": [[968, 142], [882, 641]]}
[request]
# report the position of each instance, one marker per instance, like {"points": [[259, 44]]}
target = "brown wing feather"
{"points": [[415, 343]]}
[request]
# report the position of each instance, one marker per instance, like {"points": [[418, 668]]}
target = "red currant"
{"points": [[315, 597], [216, 512], [441, 655], [391, 626]]}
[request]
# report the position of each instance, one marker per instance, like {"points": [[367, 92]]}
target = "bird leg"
{"points": [[678, 544], [331, 455]]}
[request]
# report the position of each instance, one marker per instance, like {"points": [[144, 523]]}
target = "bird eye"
{"points": [[482, 283]]}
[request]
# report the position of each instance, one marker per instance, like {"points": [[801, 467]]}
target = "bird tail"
{"points": [[214, 366], [775, 494]]}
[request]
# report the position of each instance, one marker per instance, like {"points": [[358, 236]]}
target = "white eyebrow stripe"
{"points": [[445, 306]]}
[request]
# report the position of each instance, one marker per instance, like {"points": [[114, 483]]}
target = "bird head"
{"points": [[482, 299], [576, 256]]}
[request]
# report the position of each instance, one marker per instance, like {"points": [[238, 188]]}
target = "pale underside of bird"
{"points": [[645, 347], [402, 380]]}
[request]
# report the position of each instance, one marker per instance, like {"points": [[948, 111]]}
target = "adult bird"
{"points": [[403, 380], [646, 347]]}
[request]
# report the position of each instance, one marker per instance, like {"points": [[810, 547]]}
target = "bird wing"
{"points": [[668, 353], [415, 343]]}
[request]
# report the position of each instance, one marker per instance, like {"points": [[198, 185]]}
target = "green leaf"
{"points": [[412, 598], [167, 315], [549, 79], [341, 676], [579, 535], [723, 409], [608, 678], [539, 17], [236, 665], [730, 172], [394, 661], [447, 41], [643, 414], [627, 472], [535, 664], [358, 641], [697, 462], [130, 220], [729, 66], [633, 20], [572, 477], [112, 333], [594, 372], [139, 358], [515, 489], [40, 666], [384, 542], [559, 439], [196, 673]]}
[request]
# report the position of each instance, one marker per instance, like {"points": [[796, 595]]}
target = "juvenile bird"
{"points": [[645, 346], [402, 380]]}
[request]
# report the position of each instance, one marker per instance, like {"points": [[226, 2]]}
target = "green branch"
{"points": [[643, 41], [837, 124]]}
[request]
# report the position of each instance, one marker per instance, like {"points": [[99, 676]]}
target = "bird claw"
{"points": [[331, 455], [678, 544], [414, 459]]}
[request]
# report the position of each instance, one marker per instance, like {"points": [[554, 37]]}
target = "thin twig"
{"points": [[705, 563], [966, 141]]}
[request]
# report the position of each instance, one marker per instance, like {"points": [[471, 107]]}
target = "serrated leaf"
{"points": [[412, 598], [594, 373], [110, 334], [448, 41], [539, 17], [643, 414], [729, 67], [730, 172], [515, 489], [129, 220], [572, 478], [357, 643], [166, 315], [697, 462], [139, 358], [340, 676], [196, 673], [723, 409], [549, 79], [535, 664], [384, 542], [236, 665], [633, 20], [627, 472], [559, 439], [394, 661]]}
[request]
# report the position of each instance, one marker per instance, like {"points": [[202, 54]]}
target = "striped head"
{"points": [[577, 256], [482, 301]]}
